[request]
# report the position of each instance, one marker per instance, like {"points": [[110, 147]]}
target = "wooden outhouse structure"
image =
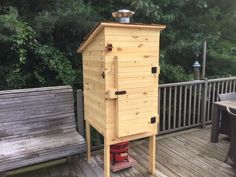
{"points": [[120, 76]]}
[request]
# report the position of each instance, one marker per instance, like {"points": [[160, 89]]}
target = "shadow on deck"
{"points": [[186, 153]]}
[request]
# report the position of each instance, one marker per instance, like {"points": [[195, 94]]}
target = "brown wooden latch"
{"points": [[103, 75], [109, 47]]}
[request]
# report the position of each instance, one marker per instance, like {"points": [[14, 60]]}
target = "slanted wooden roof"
{"points": [[101, 25]]}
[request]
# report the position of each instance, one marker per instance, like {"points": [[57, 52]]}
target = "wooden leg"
{"points": [[215, 124], [88, 141], [152, 154], [227, 156], [69, 159], [2, 174], [106, 159]]}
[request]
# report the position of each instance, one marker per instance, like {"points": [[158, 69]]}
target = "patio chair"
{"points": [[225, 120], [232, 148]]}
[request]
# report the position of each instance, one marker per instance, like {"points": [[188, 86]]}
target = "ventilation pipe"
{"points": [[123, 15]]}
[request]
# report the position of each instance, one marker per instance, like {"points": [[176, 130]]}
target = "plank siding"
{"points": [[129, 68], [186, 153], [37, 125], [94, 83], [111, 65]]}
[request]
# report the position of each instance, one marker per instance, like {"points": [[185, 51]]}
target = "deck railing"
{"points": [[182, 105]]}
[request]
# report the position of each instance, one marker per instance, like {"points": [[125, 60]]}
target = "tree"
{"points": [[181, 41], [39, 39], [222, 60], [39, 45]]}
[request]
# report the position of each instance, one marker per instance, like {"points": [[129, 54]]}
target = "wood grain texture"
{"points": [[138, 27], [37, 125], [121, 57], [152, 154], [94, 83], [132, 72], [107, 160], [186, 153], [88, 140], [135, 50], [31, 112]]}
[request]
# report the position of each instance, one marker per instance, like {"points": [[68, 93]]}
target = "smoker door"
{"points": [[137, 89]]}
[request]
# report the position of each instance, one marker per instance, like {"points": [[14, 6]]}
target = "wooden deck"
{"points": [[186, 153]]}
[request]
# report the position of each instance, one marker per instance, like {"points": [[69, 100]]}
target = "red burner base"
{"points": [[121, 165]]}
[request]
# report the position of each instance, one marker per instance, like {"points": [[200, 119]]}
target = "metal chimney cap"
{"points": [[196, 65], [123, 13]]}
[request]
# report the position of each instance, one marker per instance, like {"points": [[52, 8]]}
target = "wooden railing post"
{"points": [[80, 112], [204, 104]]}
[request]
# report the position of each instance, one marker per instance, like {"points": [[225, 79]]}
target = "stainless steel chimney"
{"points": [[123, 15]]}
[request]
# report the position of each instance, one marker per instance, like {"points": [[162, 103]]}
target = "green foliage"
{"points": [[189, 24], [182, 40], [21, 41], [222, 60], [36, 56], [39, 39], [173, 73]]}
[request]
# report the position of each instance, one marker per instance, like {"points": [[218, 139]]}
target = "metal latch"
{"points": [[113, 93], [109, 47], [120, 92], [154, 69], [153, 120]]}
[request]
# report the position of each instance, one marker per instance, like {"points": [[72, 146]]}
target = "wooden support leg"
{"points": [[2, 174], [69, 159], [88, 141], [215, 131], [152, 154], [106, 159]]}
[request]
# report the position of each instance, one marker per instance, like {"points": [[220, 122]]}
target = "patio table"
{"points": [[217, 108]]}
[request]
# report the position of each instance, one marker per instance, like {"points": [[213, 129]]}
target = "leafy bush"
{"points": [[32, 63], [39, 39]]}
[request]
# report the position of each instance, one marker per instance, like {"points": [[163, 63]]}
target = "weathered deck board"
{"points": [[186, 153]]}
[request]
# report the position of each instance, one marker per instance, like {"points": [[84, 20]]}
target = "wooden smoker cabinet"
{"points": [[120, 76]]}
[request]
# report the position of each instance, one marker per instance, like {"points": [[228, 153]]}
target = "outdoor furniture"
{"points": [[217, 108], [37, 125], [232, 148], [224, 119]]}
